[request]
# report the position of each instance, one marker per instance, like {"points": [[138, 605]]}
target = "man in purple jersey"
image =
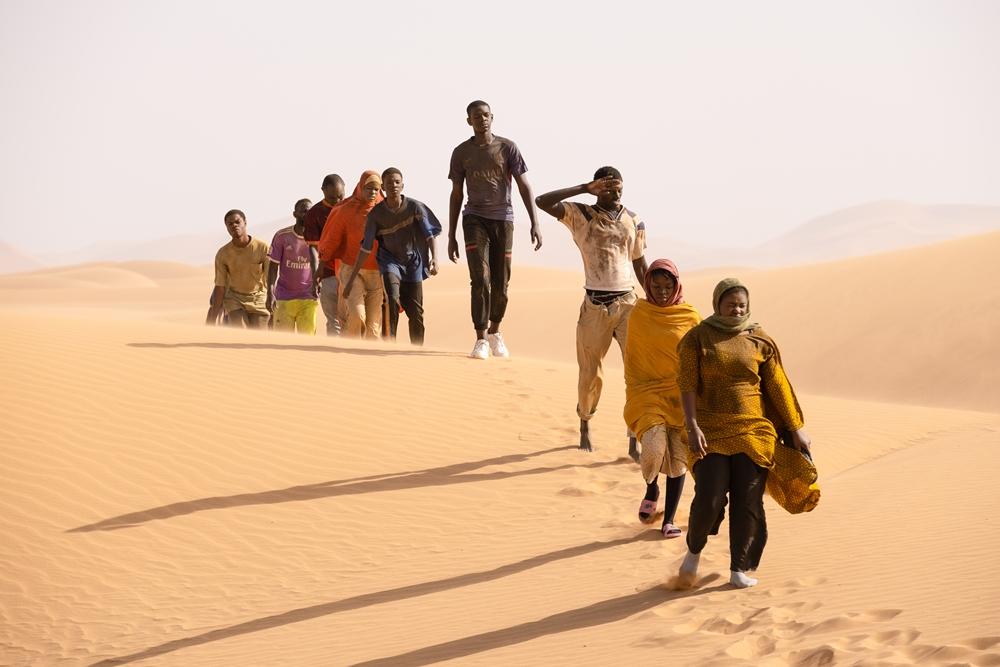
{"points": [[291, 276]]}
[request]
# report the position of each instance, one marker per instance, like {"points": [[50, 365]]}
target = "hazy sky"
{"points": [[731, 121]]}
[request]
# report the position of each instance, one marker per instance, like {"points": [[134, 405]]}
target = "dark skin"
{"points": [[735, 303], [481, 121], [333, 194], [608, 191], [393, 185], [299, 213], [237, 228]]}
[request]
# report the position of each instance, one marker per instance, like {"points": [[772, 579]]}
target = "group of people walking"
{"points": [[710, 396]]}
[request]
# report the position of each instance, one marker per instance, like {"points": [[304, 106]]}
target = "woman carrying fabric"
{"points": [[341, 239], [736, 398], [652, 399]]}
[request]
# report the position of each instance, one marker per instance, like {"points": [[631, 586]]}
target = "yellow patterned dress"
{"points": [[743, 399]]}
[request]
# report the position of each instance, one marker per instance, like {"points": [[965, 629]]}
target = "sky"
{"points": [[732, 122]]}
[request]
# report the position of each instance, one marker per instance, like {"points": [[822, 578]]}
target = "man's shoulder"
{"points": [[464, 145], [284, 232], [257, 243], [224, 250], [318, 209], [577, 207], [413, 204], [505, 141]]}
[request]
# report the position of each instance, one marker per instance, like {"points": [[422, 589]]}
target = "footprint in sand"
{"points": [[981, 643], [751, 647], [813, 657], [675, 584], [591, 488]]}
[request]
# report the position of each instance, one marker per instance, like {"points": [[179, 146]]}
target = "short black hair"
{"points": [[604, 172], [235, 211], [304, 199], [332, 179], [389, 172], [473, 104]]}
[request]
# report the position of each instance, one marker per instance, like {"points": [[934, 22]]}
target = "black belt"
{"points": [[603, 298]]}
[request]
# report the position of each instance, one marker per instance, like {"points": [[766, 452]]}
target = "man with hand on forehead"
{"points": [[612, 242]]}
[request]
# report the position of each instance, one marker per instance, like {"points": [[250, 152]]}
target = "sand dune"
{"points": [[172, 494], [13, 260], [879, 226]]}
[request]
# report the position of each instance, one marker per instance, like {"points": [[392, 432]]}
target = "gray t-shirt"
{"points": [[487, 171]]}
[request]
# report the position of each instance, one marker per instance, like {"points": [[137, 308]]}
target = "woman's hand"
{"points": [[801, 441], [696, 441]]}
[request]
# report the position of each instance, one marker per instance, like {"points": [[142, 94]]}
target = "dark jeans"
{"points": [[488, 245], [714, 476], [411, 297]]}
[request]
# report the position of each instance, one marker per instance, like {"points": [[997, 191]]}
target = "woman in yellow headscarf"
{"points": [[652, 400], [736, 400]]}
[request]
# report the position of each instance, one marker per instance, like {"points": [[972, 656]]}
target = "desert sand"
{"points": [[172, 494]]}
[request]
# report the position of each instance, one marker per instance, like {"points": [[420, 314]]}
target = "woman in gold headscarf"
{"points": [[652, 399], [736, 399]]}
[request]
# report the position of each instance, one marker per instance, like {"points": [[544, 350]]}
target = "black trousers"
{"points": [[488, 247], [744, 481], [411, 297]]}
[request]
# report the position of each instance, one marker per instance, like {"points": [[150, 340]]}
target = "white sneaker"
{"points": [[481, 350], [497, 347]]}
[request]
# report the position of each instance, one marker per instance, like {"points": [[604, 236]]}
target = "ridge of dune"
{"points": [[166, 498], [837, 322]]}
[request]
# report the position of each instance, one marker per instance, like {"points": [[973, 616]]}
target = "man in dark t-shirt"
{"points": [[405, 229], [485, 164], [326, 277]]}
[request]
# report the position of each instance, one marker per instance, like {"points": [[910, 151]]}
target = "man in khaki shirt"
{"points": [[241, 287]]}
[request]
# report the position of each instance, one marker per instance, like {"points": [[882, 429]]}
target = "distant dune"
{"points": [[860, 230], [876, 227], [13, 260]]}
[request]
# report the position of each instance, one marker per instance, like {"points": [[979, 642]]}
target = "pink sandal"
{"points": [[646, 510], [669, 531]]}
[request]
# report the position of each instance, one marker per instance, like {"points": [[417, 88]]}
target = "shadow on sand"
{"points": [[600, 613], [415, 352], [441, 476]]}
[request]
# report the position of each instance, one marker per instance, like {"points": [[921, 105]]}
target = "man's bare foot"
{"points": [[585, 436], [633, 450]]}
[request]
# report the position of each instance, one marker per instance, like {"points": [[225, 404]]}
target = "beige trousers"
{"points": [[363, 305], [596, 328]]}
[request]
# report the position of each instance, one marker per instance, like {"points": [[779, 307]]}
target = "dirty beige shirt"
{"points": [[608, 243]]}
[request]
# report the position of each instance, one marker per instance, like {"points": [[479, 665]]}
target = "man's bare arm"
{"points": [[454, 208], [525, 189]]}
